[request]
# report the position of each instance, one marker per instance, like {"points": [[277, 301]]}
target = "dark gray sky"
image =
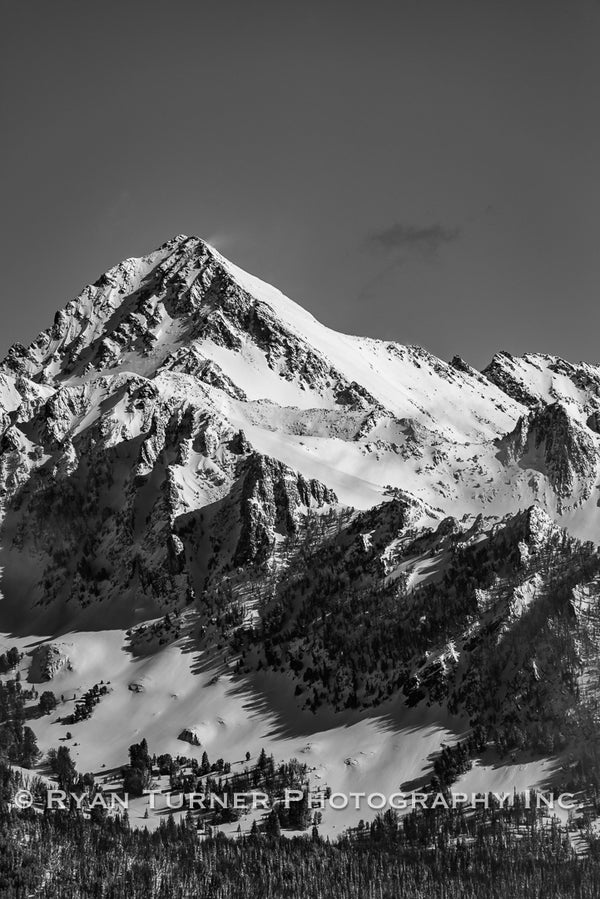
{"points": [[423, 171]]}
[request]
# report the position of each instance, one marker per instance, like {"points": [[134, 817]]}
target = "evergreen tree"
{"points": [[47, 702]]}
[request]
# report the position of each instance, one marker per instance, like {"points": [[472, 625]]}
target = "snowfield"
{"points": [[387, 751]]}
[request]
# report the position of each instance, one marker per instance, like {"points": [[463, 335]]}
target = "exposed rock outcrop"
{"points": [[46, 661], [549, 440], [272, 497]]}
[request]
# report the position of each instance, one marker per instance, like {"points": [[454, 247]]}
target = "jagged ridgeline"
{"points": [[188, 447]]}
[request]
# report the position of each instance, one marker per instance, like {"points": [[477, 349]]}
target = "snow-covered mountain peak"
{"points": [[189, 458], [178, 383], [184, 306]]}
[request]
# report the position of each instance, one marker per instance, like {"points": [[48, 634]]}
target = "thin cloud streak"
{"points": [[426, 240]]}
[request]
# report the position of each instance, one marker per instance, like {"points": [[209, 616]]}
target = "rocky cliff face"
{"points": [[272, 498], [550, 440]]}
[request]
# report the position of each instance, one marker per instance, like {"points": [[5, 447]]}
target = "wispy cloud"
{"points": [[223, 241], [396, 244], [399, 239]]}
